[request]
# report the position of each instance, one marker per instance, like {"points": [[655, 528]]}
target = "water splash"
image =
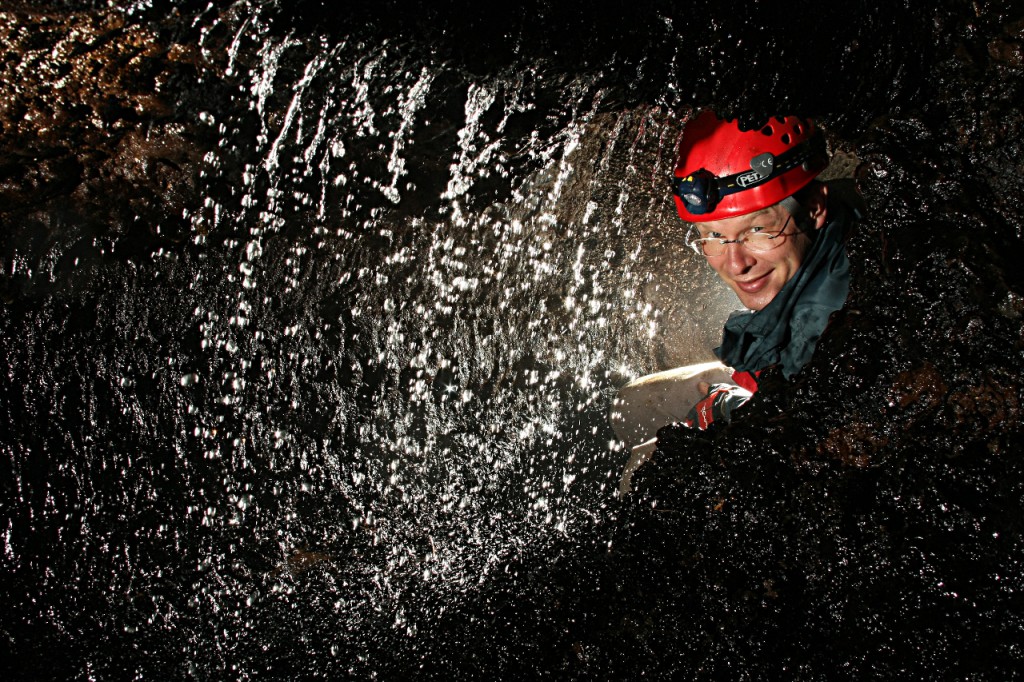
{"points": [[447, 372]]}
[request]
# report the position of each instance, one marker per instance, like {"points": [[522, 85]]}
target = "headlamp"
{"points": [[699, 191]]}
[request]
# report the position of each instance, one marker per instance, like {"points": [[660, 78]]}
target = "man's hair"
{"points": [[803, 194], [802, 197]]}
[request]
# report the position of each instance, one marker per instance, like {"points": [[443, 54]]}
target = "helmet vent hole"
{"points": [[767, 130], [785, 138], [797, 128]]}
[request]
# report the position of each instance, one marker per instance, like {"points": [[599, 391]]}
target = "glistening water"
{"points": [[312, 319]]}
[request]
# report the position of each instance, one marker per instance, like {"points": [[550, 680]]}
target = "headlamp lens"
{"points": [[698, 191]]}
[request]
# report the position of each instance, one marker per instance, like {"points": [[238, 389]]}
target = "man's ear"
{"points": [[816, 205]]}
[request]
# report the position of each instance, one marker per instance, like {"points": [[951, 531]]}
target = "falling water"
{"points": [[379, 361], [441, 373]]}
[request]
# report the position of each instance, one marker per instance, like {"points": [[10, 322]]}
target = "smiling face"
{"points": [[758, 276]]}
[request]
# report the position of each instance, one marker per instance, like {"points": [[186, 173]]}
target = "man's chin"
{"points": [[758, 300]]}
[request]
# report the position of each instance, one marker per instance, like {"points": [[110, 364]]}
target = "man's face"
{"points": [[758, 276]]}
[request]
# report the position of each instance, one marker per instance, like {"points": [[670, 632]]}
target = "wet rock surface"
{"points": [[100, 143], [171, 511]]}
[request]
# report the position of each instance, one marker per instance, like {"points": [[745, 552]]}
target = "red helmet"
{"points": [[724, 172]]}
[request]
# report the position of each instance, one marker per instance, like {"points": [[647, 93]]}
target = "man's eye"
{"points": [[756, 229], [715, 235]]}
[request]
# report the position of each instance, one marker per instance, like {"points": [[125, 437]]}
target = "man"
{"points": [[768, 228]]}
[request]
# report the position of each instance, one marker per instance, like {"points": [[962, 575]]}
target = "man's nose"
{"points": [[737, 258]]}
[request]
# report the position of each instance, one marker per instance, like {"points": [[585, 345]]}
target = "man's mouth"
{"points": [[754, 285]]}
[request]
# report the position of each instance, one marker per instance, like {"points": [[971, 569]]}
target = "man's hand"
{"points": [[717, 405]]}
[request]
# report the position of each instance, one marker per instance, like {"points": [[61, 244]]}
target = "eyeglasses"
{"points": [[754, 239]]}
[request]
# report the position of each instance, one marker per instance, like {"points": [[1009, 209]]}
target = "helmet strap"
{"points": [[800, 215]]}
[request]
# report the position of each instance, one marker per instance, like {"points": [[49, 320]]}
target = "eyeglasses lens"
{"points": [[753, 241]]}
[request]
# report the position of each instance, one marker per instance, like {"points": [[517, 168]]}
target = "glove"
{"points": [[717, 405]]}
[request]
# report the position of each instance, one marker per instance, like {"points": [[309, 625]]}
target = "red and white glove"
{"points": [[717, 405]]}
